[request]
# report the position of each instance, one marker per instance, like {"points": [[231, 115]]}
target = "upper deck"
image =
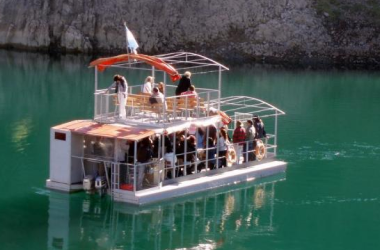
{"points": [[176, 110]]}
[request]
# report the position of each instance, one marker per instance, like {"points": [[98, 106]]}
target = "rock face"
{"points": [[296, 31]]}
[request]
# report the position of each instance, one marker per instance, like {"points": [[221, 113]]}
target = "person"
{"points": [[156, 97], [239, 138], [259, 126], [161, 87], [250, 134], [191, 93], [223, 146], [211, 151], [148, 85], [200, 135], [121, 86], [144, 155], [212, 132], [184, 83], [191, 151]]}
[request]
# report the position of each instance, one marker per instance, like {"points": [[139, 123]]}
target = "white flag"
{"points": [[131, 41]]}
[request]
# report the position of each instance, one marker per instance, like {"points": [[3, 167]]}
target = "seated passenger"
{"points": [[147, 87], [191, 93], [161, 87], [156, 97]]}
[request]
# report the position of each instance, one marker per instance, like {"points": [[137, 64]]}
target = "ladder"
{"points": [[115, 177]]}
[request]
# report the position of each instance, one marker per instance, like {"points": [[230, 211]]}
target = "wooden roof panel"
{"points": [[106, 130]]}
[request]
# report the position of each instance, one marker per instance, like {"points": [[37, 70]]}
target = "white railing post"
{"points": [[96, 88], [275, 134], [153, 75], [134, 167], [219, 86]]}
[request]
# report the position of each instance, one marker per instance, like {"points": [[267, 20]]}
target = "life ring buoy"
{"points": [[260, 150], [231, 155], [225, 118]]}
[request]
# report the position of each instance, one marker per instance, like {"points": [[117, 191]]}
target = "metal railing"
{"points": [[208, 159], [120, 175], [139, 108]]}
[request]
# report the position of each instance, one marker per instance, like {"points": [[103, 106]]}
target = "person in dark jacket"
{"points": [[259, 126], [184, 83]]}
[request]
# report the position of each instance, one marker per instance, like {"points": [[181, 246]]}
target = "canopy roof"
{"points": [[171, 63], [87, 127], [247, 105], [103, 63]]}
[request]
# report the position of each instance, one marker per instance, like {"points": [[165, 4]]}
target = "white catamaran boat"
{"points": [[162, 150]]}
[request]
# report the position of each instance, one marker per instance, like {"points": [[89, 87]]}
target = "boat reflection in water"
{"points": [[207, 220]]}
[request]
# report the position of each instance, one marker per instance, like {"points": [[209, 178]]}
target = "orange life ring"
{"points": [[231, 155], [225, 118], [260, 150]]}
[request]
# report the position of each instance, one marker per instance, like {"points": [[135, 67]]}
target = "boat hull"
{"points": [[201, 184]]}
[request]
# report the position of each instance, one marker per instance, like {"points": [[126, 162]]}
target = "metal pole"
{"points": [[162, 163], [175, 155], [219, 86], [96, 88], [153, 75], [185, 156], [207, 146], [275, 134], [217, 148], [134, 167]]}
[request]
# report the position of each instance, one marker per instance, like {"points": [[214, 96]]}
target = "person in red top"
{"points": [[190, 93], [239, 139]]}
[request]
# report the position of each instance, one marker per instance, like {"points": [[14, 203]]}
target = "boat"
{"points": [[103, 155]]}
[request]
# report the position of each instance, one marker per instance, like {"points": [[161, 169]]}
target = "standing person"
{"points": [[200, 136], [148, 85], [250, 134], [223, 146], [211, 151], [184, 83], [259, 126], [239, 138], [121, 86], [144, 155]]}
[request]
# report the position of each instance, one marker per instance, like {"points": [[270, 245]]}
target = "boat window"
{"points": [[60, 136]]}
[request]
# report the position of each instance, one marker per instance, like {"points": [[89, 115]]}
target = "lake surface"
{"points": [[328, 199]]}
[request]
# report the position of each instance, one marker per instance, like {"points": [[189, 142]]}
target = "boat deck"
{"points": [[204, 183]]}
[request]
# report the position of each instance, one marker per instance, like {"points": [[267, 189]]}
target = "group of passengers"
{"points": [[247, 137], [206, 147], [157, 93]]}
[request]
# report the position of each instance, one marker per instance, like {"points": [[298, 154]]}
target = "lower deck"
{"points": [[188, 186]]}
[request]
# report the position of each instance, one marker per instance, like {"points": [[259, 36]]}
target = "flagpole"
{"points": [[126, 40]]}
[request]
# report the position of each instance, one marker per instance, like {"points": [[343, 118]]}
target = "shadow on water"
{"points": [[207, 221]]}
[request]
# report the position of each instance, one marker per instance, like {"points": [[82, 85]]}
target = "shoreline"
{"points": [[294, 63]]}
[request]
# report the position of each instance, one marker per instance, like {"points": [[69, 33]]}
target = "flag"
{"points": [[131, 41]]}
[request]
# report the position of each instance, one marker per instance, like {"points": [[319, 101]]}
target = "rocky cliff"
{"points": [[296, 31]]}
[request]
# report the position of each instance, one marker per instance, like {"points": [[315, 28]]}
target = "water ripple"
{"points": [[329, 200], [329, 151]]}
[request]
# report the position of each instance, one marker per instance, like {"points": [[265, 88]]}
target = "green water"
{"points": [[329, 198]]}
